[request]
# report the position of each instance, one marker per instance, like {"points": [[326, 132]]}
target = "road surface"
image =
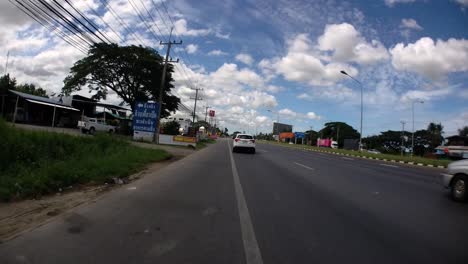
{"points": [[280, 205]]}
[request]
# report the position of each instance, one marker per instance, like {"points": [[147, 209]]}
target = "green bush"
{"points": [[36, 163]]}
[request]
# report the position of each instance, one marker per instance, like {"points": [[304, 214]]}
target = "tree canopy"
{"points": [[9, 83], [338, 130], [463, 131], [132, 72]]}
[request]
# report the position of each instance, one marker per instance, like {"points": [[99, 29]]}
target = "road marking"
{"points": [[131, 188], [388, 165], [251, 249], [321, 154], [304, 166], [347, 158]]}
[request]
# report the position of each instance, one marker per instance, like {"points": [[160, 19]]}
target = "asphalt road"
{"points": [[280, 205]]}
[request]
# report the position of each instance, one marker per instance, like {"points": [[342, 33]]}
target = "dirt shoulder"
{"points": [[22, 216]]}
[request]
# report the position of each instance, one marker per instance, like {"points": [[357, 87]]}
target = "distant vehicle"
{"points": [[374, 151], [91, 125], [244, 142], [456, 179], [456, 147], [327, 143]]}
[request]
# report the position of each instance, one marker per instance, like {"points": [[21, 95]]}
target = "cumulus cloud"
{"points": [[301, 64], [410, 23], [392, 3], [180, 27], [313, 116], [244, 58], [348, 45], [431, 59], [217, 52], [191, 48], [288, 112]]}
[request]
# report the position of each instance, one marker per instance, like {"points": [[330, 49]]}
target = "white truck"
{"points": [[91, 125]]}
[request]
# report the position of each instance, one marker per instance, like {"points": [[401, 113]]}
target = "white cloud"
{"points": [[244, 58], [217, 52], [301, 64], [410, 23], [348, 45], [180, 27], [313, 116], [191, 48], [431, 59], [424, 95], [391, 3], [288, 113], [463, 3]]}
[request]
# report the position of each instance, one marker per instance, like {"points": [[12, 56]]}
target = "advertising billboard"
{"points": [[145, 120], [280, 128]]}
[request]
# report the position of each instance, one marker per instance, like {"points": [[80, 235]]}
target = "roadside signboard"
{"points": [[212, 113], [145, 120]]}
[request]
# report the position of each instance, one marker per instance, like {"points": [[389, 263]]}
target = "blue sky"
{"points": [[285, 56]]}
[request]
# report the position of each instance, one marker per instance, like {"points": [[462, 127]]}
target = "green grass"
{"points": [[204, 142], [34, 163], [389, 157]]}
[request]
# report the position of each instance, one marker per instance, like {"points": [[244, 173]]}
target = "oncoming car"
{"points": [[456, 179], [244, 142]]}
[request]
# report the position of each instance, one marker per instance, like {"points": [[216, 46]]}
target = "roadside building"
{"points": [[25, 108]]}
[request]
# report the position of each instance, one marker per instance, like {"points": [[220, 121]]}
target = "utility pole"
{"points": [[206, 111], [163, 80], [412, 136], [402, 135], [195, 106], [6, 64]]}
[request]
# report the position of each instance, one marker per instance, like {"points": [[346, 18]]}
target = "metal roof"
{"points": [[38, 98]]}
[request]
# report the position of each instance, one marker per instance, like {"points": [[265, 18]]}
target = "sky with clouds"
{"points": [[258, 60]]}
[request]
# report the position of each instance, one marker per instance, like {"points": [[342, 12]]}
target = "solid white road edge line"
{"points": [[251, 249], [347, 158], [304, 166]]}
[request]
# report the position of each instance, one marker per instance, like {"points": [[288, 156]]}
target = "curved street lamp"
{"points": [[362, 107]]}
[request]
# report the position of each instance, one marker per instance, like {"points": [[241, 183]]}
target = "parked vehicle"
{"points": [[456, 179], [374, 151], [91, 125], [244, 142], [327, 143]]}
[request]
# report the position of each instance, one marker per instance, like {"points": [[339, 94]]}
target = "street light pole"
{"points": [[362, 106], [412, 136]]}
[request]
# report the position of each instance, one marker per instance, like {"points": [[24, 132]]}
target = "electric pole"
{"points": [[6, 64], [402, 135], [163, 80], [195, 106], [206, 111]]}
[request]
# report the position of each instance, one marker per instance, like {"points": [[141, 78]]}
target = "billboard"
{"points": [[280, 128], [212, 113], [145, 120]]}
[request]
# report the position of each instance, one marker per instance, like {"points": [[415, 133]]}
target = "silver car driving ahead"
{"points": [[456, 179]]}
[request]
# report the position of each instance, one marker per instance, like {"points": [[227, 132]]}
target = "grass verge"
{"points": [[34, 163], [204, 142], [387, 157]]}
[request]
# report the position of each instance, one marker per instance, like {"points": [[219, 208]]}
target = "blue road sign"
{"points": [[145, 117]]}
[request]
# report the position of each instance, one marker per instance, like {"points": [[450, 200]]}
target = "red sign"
{"points": [[212, 113]]}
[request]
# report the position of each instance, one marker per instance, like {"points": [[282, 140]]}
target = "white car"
{"points": [[91, 125], [456, 179], [244, 142]]}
